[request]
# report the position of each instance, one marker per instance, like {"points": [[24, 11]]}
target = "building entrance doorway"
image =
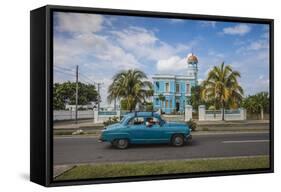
{"points": [[177, 106]]}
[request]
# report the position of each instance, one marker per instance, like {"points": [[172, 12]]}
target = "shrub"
{"points": [[192, 124], [79, 132], [111, 120]]}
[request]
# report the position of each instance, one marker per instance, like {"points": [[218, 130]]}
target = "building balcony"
{"points": [[172, 93]]}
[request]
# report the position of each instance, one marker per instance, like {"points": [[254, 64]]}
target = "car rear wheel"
{"points": [[121, 143], [177, 140]]}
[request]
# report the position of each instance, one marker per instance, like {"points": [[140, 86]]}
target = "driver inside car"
{"points": [[149, 122]]}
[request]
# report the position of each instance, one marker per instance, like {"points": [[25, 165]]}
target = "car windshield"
{"points": [[123, 119]]}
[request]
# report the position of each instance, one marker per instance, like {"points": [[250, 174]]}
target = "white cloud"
{"points": [[215, 54], [176, 20], [77, 49], [135, 36], [253, 46], [145, 45], [97, 57], [240, 29], [257, 45], [208, 24], [78, 22], [172, 64]]}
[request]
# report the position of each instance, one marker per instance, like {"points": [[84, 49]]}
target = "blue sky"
{"points": [[102, 45]]}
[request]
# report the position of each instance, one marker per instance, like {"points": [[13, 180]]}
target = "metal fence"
{"points": [[107, 113], [70, 115], [217, 115]]}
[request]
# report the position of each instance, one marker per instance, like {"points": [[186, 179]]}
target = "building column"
{"points": [[188, 113], [96, 115], [201, 112]]}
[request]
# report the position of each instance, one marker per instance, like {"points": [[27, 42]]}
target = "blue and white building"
{"points": [[176, 89]]}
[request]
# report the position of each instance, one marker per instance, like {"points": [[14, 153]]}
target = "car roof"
{"points": [[143, 114]]}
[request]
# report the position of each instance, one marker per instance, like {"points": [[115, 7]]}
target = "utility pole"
{"points": [[76, 96], [99, 86]]}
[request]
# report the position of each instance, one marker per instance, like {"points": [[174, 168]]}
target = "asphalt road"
{"points": [[76, 150]]}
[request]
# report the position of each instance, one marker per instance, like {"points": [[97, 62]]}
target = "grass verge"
{"points": [[168, 167]]}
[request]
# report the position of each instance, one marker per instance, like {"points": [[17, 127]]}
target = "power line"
{"points": [[83, 81], [64, 72], [76, 95], [80, 79], [67, 70], [63, 68], [84, 76]]}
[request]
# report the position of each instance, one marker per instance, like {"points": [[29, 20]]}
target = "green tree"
{"points": [[131, 86], [123, 104], [257, 103], [262, 102], [65, 93], [161, 98], [249, 103], [148, 106], [195, 99], [222, 87]]}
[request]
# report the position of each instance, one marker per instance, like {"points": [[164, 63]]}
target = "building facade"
{"points": [[173, 92]]}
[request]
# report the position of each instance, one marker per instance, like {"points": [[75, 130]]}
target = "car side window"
{"points": [[150, 121], [136, 121]]}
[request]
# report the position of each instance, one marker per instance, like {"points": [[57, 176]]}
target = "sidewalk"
{"points": [[246, 122], [89, 124], [82, 124], [247, 125]]}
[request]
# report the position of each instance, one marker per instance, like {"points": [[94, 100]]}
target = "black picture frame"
{"points": [[41, 81]]}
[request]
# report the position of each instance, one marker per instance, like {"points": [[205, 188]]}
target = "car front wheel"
{"points": [[121, 143], [178, 140]]}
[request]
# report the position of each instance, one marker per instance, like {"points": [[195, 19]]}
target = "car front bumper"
{"points": [[188, 138], [100, 138]]}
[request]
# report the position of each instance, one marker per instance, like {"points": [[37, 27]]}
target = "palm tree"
{"points": [[161, 98], [263, 102], [257, 103], [222, 87], [132, 86]]}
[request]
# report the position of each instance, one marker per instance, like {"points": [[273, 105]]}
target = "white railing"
{"points": [[70, 115], [100, 117], [216, 115]]}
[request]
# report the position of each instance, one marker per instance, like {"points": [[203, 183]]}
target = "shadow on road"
{"points": [[150, 146]]}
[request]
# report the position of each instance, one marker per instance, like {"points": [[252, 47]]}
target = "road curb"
{"points": [[61, 169], [160, 161]]}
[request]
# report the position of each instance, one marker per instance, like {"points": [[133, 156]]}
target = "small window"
{"points": [[157, 85], [136, 121], [167, 103], [170, 103], [187, 88], [177, 88], [167, 86]]}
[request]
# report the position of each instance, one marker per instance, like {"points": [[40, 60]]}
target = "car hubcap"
{"points": [[122, 143], [178, 141]]}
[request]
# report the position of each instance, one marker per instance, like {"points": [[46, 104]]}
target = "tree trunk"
{"points": [[262, 114], [128, 104], [115, 104], [223, 111]]}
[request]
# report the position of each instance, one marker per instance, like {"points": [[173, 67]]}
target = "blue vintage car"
{"points": [[144, 128]]}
